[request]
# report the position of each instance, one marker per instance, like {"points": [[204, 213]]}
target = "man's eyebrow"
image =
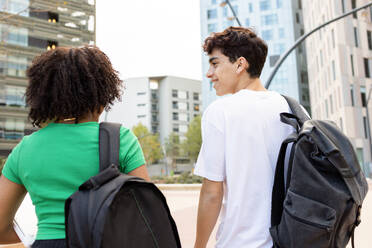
{"points": [[211, 59]]}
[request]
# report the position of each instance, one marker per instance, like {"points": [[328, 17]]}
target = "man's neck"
{"points": [[250, 84]]}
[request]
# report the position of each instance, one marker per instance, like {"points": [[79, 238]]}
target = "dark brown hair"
{"points": [[236, 42], [70, 83]]}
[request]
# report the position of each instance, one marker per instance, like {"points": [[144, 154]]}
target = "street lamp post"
{"points": [[223, 4]]}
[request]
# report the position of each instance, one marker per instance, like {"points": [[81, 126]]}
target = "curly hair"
{"points": [[236, 42], [70, 83]]}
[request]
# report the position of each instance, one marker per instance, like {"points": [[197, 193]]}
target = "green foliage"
{"points": [[149, 142], [184, 178], [172, 148], [191, 146], [2, 162]]}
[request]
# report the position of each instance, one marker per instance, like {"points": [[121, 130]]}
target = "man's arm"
{"points": [[210, 202], [11, 196]]}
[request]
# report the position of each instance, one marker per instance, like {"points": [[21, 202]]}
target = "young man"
{"points": [[242, 134]]}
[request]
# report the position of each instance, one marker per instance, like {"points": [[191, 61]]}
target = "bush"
{"points": [[183, 178]]}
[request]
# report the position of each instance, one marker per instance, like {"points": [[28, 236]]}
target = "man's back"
{"points": [[242, 135]]}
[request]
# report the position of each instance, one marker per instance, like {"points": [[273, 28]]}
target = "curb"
{"points": [[179, 186]]}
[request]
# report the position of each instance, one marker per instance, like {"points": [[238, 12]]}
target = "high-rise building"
{"points": [[279, 23], [340, 68], [163, 104], [28, 28]]}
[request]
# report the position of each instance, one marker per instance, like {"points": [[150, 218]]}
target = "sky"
{"points": [[151, 37]]}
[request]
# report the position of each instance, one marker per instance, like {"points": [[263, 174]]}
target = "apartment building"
{"points": [[340, 68], [163, 104], [28, 28]]}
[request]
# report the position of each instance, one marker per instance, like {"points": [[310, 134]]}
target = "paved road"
{"points": [[183, 205]]}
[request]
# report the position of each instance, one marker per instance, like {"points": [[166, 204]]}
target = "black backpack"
{"points": [[113, 209], [319, 204]]}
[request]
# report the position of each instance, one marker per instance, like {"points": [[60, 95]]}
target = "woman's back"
{"points": [[54, 161]]}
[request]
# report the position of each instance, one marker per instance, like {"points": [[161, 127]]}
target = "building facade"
{"points": [[163, 104], [29, 28], [279, 23], [340, 68]]}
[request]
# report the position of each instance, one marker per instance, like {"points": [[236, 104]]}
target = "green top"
{"points": [[54, 161]]}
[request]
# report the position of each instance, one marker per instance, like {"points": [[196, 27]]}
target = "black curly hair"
{"points": [[236, 42], [70, 83]]}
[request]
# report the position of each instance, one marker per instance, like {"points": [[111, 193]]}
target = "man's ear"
{"points": [[242, 65]]}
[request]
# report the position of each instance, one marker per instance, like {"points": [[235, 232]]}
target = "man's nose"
{"points": [[209, 73]]}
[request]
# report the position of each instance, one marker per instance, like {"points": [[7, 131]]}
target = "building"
{"points": [[28, 28], [340, 68], [279, 23], [163, 104]]}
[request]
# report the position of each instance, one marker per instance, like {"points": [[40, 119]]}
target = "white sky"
{"points": [[151, 37]]}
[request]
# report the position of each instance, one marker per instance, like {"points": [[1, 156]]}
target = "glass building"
{"points": [[28, 28], [280, 24]]}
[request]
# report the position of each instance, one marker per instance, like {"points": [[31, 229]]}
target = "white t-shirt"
{"points": [[242, 135]]}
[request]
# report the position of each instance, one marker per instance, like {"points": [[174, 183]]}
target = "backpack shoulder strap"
{"points": [[109, 144], [297, 109]]}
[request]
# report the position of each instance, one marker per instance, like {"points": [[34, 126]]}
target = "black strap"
{"points": [[297, 109], [109, 145], [278, 194]]}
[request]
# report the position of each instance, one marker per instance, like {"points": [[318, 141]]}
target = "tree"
{"points": [[149, 142], [172, 148], [191, 146]]}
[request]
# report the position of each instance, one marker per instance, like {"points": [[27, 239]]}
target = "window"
{"points": [[196, 96], [343, 5], [11, 128], [141, 93], [352, 95], [367, 67], [212, 27], [264, 5], [333, 38], [299, 4], [176, 128], [331, 103], [359, 152], [352, 64], [14, 95], [250, 7], [154, 107], [236, 9], [297, 18], [279, 3], [326, 108], [269, 19], [225, 11], [363, 95], [214, 1], [141, 104], [175, 105], [182, 105], [279, 48], [17, 66], [281, 33], [353, 6], [175, 116], [141, 116], [341, 124], [333, 70], [365, 125], [247, 22], [174, 93], [212, 14], [369, 37], [154, 118], [267, 34], [356, 36], [183, 94], [273, 59], [14, 35]]}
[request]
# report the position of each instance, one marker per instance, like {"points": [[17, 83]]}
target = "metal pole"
{"points": [[233, 12], [303, 37], [368, 126]]}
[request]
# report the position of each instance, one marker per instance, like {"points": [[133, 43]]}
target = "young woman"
{"points": [[68, 90]]}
